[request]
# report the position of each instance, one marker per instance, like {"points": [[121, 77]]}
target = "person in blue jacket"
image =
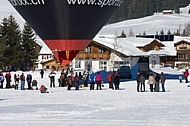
{"points": [[92, 80]]}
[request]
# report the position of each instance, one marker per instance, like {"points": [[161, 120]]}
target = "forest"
{"points": [[132, 9]]}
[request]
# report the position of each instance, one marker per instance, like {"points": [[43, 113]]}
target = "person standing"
{"points": [[69, 82], [61, 80], [110, 81], [16, 81], [138, 81], [142, 82], [151, 81], [29, 81], [157, 83], [163, 79], [92, 80], [77, 81], [1, 79], [42, 73], [52, 78], [186, 74], [99, 80], [113, 79], [22, 79], [8, 80], [86, 78], [117, 81]]}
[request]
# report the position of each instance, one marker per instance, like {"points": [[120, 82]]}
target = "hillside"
{"points": [[132, 9], [149, 24]]}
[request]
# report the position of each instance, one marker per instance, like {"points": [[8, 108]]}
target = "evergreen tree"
{"points": [[2, 45], [123, 35], [187, 29], [162, 32], [169, 32], [184, 33], [11, 38], [28, 51]]}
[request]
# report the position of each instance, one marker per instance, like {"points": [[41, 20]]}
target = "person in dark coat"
{"points": [[16, 81], [77, 82], [1, 79], [61, 80], [163, 79], [157, 79], [42, 73], [69, 82], [117, 81], [142, 82], [52, 78], [8, 80], [29, 81], [22, 79], [86, 78], [138, 81]]}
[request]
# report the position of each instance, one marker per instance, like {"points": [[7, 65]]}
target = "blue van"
{"points": [[125, 72]]}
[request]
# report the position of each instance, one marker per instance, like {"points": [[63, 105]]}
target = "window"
{"points": [[103, 65], [118, 64], [77, 64], [183, 46], [153, 64], [102, 49], [88, 65], [89, 49]]}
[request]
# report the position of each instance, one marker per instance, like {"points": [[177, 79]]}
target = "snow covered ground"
{"points": [[105, 107]]}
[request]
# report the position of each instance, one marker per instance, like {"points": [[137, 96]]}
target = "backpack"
{"points": [[1, 78]]}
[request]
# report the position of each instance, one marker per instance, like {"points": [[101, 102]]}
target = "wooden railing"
{"points": [[93, 56]]}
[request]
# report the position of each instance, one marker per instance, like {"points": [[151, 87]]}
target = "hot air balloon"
{"points": [[66, 26]]}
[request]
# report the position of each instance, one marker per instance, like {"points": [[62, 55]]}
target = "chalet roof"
{"points": [[182, 41], [128, 45], [125, 45], [167, 11]]}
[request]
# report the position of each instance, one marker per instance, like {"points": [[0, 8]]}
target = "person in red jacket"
{"points": [[110, 81], [99, 80], [186, 74]]}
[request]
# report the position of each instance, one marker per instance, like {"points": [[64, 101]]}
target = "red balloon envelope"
{"points": [[66, 26]]}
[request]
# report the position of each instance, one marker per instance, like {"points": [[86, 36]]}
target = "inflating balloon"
{"points": [[66, 26]]}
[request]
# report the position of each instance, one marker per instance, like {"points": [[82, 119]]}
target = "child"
{"points": [[43, 89]]}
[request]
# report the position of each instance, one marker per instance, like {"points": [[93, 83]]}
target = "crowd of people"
{"points": [[70, 79], [154, 81], [18, 79]]}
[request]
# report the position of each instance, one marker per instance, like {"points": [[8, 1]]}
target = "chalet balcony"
{"points": [[93, 56]]}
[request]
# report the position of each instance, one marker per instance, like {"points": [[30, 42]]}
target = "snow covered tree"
{"points": [[131, 33], [29, 54], [184, 33], [187, 29]]}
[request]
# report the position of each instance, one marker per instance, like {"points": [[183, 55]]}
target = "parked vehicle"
{"points": [[125, 72]]}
